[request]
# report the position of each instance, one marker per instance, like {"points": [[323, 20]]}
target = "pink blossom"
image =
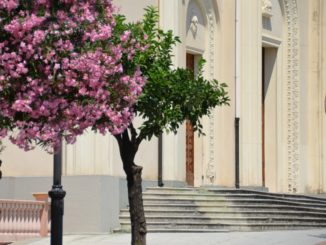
{"points": [[9, 4], [49, 88], [125, 36], [39, 36], [22, 105], [21, 68]]}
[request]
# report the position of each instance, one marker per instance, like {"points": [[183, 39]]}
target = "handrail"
{"points": [[23, 219]]}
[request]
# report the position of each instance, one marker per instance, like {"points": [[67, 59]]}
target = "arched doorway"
{"points": [[201, 41]]}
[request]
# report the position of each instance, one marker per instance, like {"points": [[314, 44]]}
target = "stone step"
{"points": [[231, 191], [278, 195], [220, 196], [229, 219], [215, 209], [233, 207], [252, 213], [223, 200], [125, 226]]}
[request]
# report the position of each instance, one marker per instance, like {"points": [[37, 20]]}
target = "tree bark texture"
{"points": [[136, 208], [128, 148]]}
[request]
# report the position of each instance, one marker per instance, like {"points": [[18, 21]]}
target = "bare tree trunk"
{"points": [[136, 208], [128, 148]]}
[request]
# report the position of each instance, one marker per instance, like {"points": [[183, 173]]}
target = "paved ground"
{"points": [[306, 237]]}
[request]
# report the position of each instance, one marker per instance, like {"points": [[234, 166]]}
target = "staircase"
{"points": [[220, 210]]}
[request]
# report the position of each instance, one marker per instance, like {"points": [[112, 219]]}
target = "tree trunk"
{"points": [[128, 148], [136, 208]]}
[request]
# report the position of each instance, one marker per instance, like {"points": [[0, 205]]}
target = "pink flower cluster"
{"points": [[8, 5], [62, 71]]}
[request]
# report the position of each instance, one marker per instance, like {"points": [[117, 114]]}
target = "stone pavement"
{"points": [[298, 237]]}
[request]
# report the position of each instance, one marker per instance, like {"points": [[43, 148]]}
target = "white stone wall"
{"points": [[132, 9], [323, 81], [224, 65], [312, 96], [17, 162]]}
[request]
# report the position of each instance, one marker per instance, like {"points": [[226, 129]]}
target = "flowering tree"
{"points": [[62, 71]]}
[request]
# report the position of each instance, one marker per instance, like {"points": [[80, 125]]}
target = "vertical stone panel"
{"points": [[250, 123], [270, 117], [323, 81], [224, 116], [314, 97]]}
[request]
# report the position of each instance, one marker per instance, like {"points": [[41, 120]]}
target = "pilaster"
{"points": [[224, 116], [251, 86], [314, 85], [323, 91]]}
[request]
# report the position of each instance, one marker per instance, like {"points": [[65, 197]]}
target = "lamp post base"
{"points": [[57, 195]]}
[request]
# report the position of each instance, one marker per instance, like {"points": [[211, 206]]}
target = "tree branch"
{"points": [[139, 139]]}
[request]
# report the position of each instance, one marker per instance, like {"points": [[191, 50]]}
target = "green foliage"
{"points": [[170, 95]]}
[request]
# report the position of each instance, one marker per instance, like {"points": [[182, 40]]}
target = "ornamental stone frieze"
{"points": [[293, 95], [211, 171]]}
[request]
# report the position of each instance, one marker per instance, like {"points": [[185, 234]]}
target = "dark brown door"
{"points": [[190, 135]]}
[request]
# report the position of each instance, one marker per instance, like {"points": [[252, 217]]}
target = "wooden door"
{"points": [[190, 150]]}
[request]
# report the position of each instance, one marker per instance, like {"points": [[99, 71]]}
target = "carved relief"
{"points": [[194, 25], [267, 7], [293, 95]]}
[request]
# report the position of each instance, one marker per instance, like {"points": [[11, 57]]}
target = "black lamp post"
{"points": [[160, 161], [57, 195], [0, 170], [237, 153]]}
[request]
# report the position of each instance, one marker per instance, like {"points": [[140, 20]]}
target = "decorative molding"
{"points": [[293, 94], [194, 50], [271, 41], [267, 8], [211, 171]]}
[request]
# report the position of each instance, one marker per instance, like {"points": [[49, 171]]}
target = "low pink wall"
{"points": [[20, 219]]}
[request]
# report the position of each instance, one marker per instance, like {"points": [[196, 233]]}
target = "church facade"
{"points": [[272, 55]]}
